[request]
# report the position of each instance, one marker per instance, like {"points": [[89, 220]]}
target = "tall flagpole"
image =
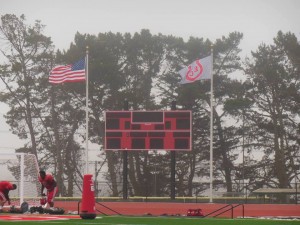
{"points": [[211, 128], [87, 111]]}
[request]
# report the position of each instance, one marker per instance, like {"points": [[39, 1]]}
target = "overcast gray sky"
{"points": [[258, 20]]}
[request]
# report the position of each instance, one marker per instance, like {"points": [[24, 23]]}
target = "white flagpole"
{"points": [[87, 111], [211, 128]]}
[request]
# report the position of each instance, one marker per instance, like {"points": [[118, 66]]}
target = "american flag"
{"points": [[68, 73]]}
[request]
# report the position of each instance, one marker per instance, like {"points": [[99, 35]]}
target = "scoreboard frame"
{"points": [[148, 130]]}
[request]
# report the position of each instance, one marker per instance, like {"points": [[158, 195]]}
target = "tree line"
{"points": [[256, 105]]}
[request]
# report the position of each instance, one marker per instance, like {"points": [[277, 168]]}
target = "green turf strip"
{"points": [[122, 220]]}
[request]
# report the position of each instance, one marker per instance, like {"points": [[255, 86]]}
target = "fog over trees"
{"points": [[256, 111]]}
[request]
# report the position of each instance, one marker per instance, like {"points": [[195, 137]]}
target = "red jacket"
{"points": [[5, 186], [48, 182]]}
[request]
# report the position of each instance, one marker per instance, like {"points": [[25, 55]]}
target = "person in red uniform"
{"points": [[5, 187], [48, 183]]}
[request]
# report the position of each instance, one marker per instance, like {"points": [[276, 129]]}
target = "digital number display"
{"points": [[147, 117], [148, 130]]}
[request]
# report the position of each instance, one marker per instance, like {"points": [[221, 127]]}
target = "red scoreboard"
{"points": [[148, 130]]}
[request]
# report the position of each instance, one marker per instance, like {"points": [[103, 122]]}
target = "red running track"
{"points": [[156, 208]]}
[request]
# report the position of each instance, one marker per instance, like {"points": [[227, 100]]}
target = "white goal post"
{"points": [[21, 169]]}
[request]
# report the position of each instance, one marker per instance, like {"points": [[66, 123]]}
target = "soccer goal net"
{"points": [[21, 169]]}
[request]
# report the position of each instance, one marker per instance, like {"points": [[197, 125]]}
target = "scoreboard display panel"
{"points": [[148, 130]]}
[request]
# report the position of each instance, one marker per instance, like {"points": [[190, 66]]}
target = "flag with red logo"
{"points": [[198, 70]]}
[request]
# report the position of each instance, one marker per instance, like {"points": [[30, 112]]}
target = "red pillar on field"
{"points": [[88, 210]]}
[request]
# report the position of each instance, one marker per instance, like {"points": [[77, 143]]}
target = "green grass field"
{"points": [[122, 220]]}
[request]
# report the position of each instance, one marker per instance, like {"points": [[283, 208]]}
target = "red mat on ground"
{"points": [[22, 217]]}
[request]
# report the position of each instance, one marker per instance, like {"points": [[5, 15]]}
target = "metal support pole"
{"points": [[125, 175], [211, 158], [173, 162], [87, 111]]}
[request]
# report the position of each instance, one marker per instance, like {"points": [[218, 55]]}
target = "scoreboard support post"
{"points": [[173, 165], [125, 175]]}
